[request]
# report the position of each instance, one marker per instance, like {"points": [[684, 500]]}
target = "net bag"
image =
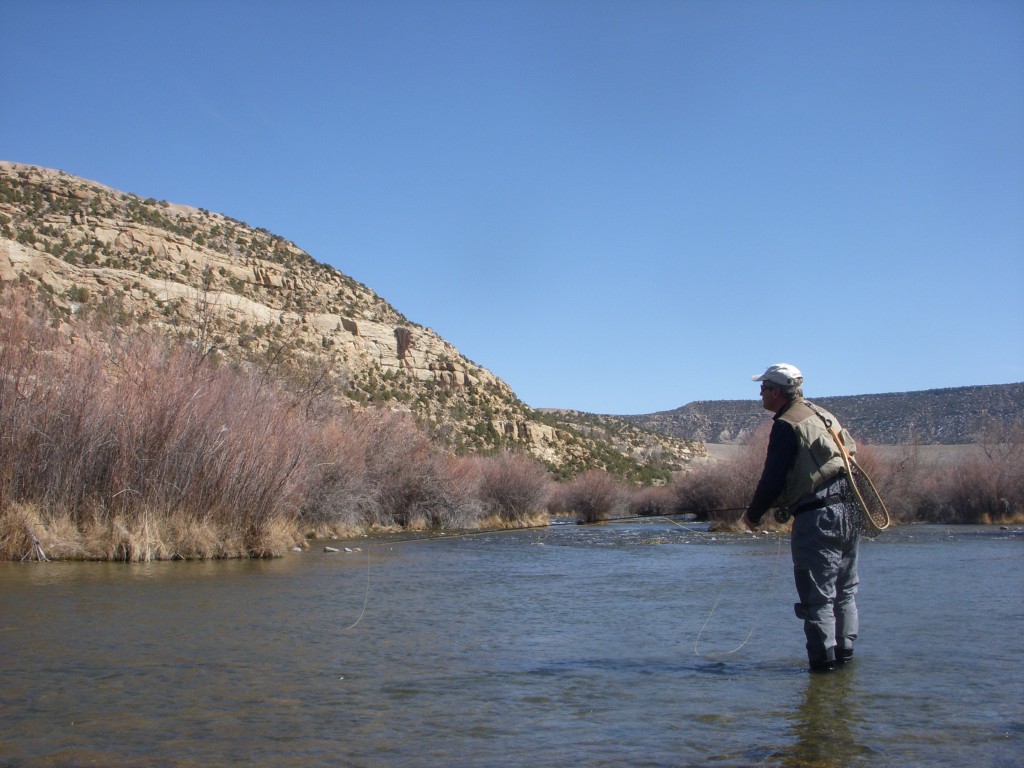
{"points": [[873, 517]]}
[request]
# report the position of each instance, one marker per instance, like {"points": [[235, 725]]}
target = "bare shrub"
{"points": [[1003, 446], [120, 433], [465, 507], [211, 444], [703, 491], [408, 478], [592, 497], [339, 497], [984, 492], [980, 491], [512, 488], [720, 492], [652, 501], [558, 500]]}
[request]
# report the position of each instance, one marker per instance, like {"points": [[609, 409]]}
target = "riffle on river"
{"points": [[632, 644]]}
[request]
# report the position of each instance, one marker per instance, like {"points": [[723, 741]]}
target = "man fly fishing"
{"points": [[804, 477]]}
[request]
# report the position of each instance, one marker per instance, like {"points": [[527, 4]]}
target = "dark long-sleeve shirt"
{"points": [[779, 460]]}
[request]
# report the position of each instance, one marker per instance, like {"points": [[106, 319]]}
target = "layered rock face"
{"points": [[246, 294]]}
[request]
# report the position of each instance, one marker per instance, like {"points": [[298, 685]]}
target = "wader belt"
{"points": [[824, 501]]}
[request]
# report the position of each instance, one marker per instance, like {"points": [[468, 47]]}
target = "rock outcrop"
{"points": [[246, 294]]}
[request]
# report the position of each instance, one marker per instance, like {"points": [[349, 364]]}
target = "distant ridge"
{"points": [[953, 416]]}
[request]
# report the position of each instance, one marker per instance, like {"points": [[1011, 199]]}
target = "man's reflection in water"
{"points": [[826, 724]]}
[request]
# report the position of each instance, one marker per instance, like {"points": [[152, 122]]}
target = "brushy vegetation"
{"points": [[593, 497], [513, 489], [121, 446], [984, 491], [132, 450], [719, 492], [125, 447]]}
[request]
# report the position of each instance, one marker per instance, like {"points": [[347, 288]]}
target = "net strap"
{"points": [[880, 519]]}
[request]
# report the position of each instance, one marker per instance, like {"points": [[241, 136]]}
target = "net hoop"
{"points": [[877, 515]]}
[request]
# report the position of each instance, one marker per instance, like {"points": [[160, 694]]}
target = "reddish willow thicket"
{"points": [[126, 446]]}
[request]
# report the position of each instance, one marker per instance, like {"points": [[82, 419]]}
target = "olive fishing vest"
{"points": [[818, 459]]}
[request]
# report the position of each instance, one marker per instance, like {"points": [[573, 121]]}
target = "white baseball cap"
{"points": [[781, 373]]}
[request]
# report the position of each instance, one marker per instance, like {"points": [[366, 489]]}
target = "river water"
{"points": [[631, 644]]}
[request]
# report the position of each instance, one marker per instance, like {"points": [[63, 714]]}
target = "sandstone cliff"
{"points": [[245, 294]]}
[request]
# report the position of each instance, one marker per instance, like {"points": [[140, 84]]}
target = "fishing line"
{"points": [[757, 620], [695, 530], [721, 590], [545, 526], [430, 537], [366, 597]]}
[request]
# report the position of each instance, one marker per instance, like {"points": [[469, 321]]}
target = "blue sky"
{"points": [[619, 206]]}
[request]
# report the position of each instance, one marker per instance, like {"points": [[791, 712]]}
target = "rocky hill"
{"points": [[247, 295], [954, 416]]}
